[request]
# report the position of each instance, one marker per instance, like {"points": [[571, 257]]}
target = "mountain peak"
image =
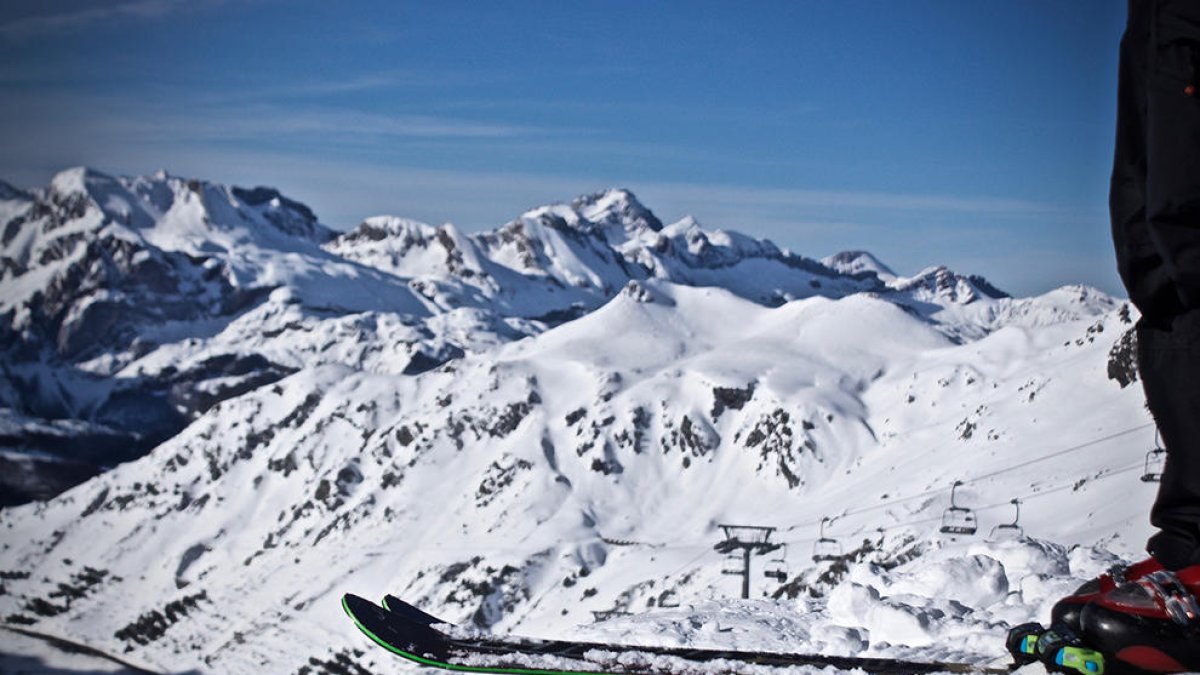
{"points": [[79, 180], [856, 262], [379, 228], [941, 281], [261, 195], [609, 195], [616, 206], [684, 225], [986, 287]]}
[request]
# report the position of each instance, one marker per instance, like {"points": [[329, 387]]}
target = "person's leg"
{"points": [[1169, 343], [1169, 362]]}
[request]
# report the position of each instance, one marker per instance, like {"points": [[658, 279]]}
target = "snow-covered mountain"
{"points": [[567, 259], [528, 472], [130, 306], [859, 262]]}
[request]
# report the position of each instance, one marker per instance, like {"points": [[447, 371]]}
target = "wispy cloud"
{"points": [[365, 82], [158, 119], [84, 18], [351, 163], [266, 122], [342, 86]]}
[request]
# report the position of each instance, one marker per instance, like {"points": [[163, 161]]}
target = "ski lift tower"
{"points": [[750, 540]]}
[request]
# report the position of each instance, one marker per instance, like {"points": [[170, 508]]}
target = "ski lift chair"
{"points": [[958, 519], [1006, 531], [667, 599], [732, 565], [1156, 459], [826, 549], [777, 567]]}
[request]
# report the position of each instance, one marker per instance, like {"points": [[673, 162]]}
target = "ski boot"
{"points": [[1062, 651], [1022, 643], [1058, 648], [1152, 623], [1066, 611]]}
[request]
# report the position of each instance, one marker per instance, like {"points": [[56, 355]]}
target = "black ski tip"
{"points": [[394, 632], [356, 606], [397, 606]]}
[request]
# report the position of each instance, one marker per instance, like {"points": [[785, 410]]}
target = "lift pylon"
{"points": [[748, 540]]}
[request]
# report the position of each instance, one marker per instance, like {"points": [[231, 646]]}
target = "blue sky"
{"points": [[972, 133]]}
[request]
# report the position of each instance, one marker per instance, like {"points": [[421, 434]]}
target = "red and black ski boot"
{"points": [[1152, 623], [1066, 611]]}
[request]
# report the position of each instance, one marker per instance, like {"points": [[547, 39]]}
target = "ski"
{"points": [[412, 633]]}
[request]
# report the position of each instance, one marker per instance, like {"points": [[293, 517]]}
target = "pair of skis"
{"points": [[413, 634]]}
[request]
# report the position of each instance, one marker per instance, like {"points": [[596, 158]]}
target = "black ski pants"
{"points": [[1155, 208]]}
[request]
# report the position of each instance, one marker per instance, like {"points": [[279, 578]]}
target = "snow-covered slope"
{"points": [[585, 470], [130, 306], [531, 428]]}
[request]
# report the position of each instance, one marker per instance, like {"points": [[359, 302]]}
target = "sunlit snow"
{"points": [[568, 479]]}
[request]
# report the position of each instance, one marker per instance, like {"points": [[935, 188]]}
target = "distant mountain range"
{"points": [[130, 306]]}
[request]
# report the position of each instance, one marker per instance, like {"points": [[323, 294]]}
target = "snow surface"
{"points": [[568, 479], [24, 655]]}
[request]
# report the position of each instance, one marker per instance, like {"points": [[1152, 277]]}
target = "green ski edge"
{"points": [[451, 666]]}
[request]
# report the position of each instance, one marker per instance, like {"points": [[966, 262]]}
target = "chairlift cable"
{"points": [[1043, 493], [935, 491]]}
